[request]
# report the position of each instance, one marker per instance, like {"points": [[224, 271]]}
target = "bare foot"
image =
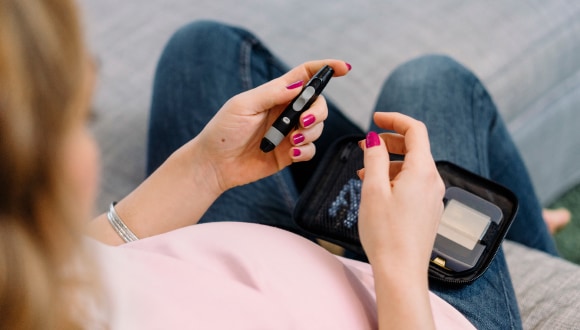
{"points": [[556, 219]]}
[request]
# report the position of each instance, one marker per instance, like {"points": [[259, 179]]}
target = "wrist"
{"points": [[402, 290], [176, 195], [199, 169], [401, 269]]}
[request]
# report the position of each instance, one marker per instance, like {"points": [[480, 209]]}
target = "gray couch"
{"points": [[526, 52]]}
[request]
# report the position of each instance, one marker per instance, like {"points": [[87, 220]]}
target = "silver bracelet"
{"points": [[119, 226]]}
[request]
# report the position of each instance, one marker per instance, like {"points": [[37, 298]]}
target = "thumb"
{"points": [[376, 159], [282, 90], [271, 94]]}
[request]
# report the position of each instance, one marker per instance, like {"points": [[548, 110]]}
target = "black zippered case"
{"points": [[328, 207]]}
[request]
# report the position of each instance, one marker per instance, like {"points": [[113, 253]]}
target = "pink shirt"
{"points": [[229, 275]]}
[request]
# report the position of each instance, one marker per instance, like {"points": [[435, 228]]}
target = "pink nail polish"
{"points": [[298, 138], [372, 140], [296, 152], [349, 67], [294, 85], [308, 120]]}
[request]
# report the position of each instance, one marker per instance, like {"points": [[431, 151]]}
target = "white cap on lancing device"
{"points": [[289, 117]]}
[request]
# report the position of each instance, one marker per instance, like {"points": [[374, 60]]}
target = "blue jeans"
{"points": [[206, 63]]}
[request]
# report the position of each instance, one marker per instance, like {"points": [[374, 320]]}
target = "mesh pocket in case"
{"points": [[328, 207]]}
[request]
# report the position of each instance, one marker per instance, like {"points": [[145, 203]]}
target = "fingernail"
{"points": [[296, 152], [349, 67], [373, 139], [308, 120], [297, 84], [298, 138]]}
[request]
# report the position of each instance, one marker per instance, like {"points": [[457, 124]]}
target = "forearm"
{"points": [[176, 195], [402, 298]]}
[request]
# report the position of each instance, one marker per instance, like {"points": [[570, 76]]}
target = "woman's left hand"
{"points": [[225, 154], [231, 140]]}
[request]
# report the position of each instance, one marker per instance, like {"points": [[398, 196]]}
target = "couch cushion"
{"points": [[547, 288]]}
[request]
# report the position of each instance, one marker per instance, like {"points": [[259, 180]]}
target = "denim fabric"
{"points": [[206, 63]]}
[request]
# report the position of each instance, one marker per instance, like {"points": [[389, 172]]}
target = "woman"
{"points": [[44, 74], [230, 275]]}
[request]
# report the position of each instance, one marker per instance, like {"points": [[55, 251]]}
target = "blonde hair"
{"points": [[42, 68]]}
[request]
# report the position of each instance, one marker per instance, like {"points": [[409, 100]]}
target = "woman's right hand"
{"points": [[401, 206], [401, 202]]}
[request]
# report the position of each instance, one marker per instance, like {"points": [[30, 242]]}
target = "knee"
{"points": [[200, 30], [200, 38], [433, 71], [435, 86]]}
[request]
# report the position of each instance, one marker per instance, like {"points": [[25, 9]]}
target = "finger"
{"points": [[282, 90], [317, 113], [376, 159], [394, 170], [415, 134], [361, 174], [340, 68], [302, 153], [395, 143], [304, 136]]}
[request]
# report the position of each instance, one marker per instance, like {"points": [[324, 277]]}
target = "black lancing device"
{"points": [[288, 119]]}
